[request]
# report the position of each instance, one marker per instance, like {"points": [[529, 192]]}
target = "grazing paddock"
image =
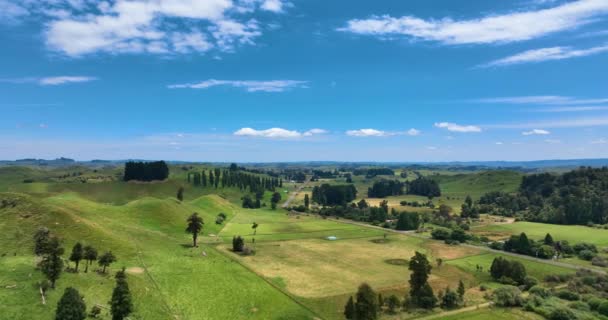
{"points": [[277, 225], [494, 314], [537, 231], [536, 269]]}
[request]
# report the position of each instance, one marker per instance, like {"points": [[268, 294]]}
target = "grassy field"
{"points": [[535, 269], [494, 314], [295, 273], [537, 231], [167, 277], [278, 225]]}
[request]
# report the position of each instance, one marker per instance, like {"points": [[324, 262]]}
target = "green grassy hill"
{"points": [[169, 279]]}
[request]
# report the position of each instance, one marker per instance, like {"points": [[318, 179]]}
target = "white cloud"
{"points": [[313, 132], [553, 141], [413, 132], [546, 54], [453, 127], [495, 28], [140, 26], [54, 81], [499, 143], [50, 81], [600, 141], [573, 109], [11, 12], [367, 133], [277, 133], [553, 100], [249, 85], [535, 132], [431, 148]]}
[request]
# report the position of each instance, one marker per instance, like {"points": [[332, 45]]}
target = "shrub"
{"points": [[508, 296], [540, 291], [561, 313], [587, 255], [579, 305], [546, 252], [599, 261], [568, 295], [584, 246], [594, 303], [603, 308], [441, 234], [530, 282]]}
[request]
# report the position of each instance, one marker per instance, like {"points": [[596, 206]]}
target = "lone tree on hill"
{"points": [[52, 264], [105, 260], [306, 201], [461, 290], [71, 306], [180, 194], [349, 309], [77, 254], [90, 254], [421, 293], [41, 240], [366, 307], [195, 226], [549, 240], [121, 304], [254, 226]]}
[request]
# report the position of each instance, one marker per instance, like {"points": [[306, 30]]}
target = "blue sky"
{"points": [[290, 80]]}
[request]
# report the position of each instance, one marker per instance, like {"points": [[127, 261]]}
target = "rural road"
{"points": [[521, 256], [294, 194]]}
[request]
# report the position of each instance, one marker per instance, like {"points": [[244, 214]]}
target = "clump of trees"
{"points": [[372, 172], [146, 171], [365, 306], [546, 248], [423, 186], [385, 188], [276, 198], [331, 195], [508, 271]]}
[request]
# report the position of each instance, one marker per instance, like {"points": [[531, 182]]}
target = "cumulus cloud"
{"points": [[535, 132], [494, 28], [546, 54], [413, 132], [367, 133], [453, 127], [277, 133], [249, 85]]}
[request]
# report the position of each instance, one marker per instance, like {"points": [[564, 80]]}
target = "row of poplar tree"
{"points": [[233, 178]]}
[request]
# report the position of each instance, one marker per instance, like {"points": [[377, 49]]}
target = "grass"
{"points": [[277, 225], [537, 231], [536, 269], [494, 314], [148, 234]]}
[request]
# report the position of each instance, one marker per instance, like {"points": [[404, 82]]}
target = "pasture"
{"points": [[537, 231]]}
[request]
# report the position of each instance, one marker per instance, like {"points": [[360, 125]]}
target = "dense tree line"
{"points": [[576, 197], [330, 195], [424, 187], [146, 171], [385, 188], [372, 172]]}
